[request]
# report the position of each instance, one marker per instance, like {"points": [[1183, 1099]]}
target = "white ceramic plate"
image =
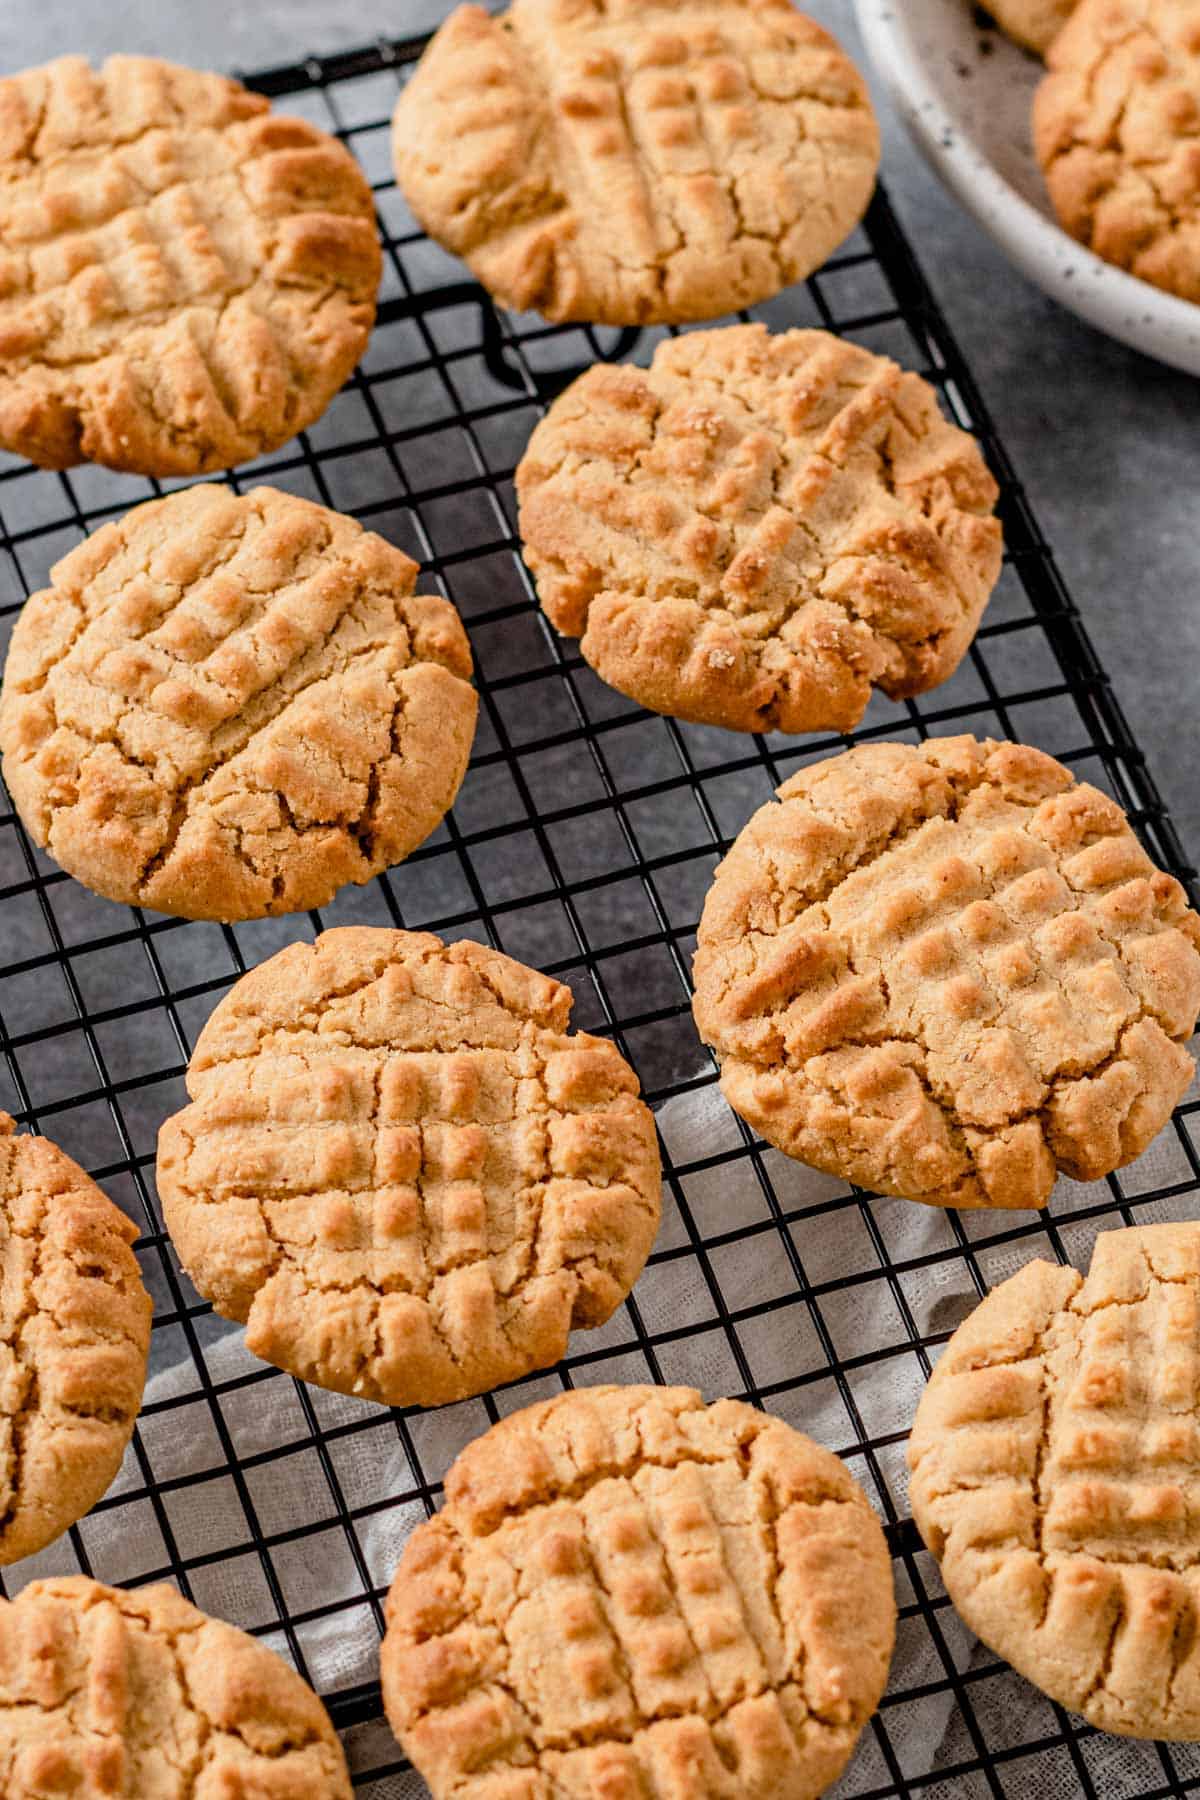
{"points": [[965, 93]]}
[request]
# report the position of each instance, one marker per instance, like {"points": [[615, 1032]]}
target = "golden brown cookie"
{"points": [[1055, 1476], [948, 971], [756, 531], [107, 1692], [1032, 23], [642, 163], [186, 278], [401, 1172], [1116, 128], [74, 1337], [628, 1592], [232, 705]]}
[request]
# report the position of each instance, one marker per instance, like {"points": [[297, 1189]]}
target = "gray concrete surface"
{"points": [[1107, 443]]}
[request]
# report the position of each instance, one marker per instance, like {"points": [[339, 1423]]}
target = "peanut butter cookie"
{"points": [[231, 705], [401, 1172], [186, 278], [1033, 23], [756, 531], [1116, 128], [107, 1692], [628, 1592], [74, 1337], [636, 163], [948, 971], [1055, 1478]]}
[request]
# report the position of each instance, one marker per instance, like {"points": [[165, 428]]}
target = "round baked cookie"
{"points": [[186, 278], [229, 705], [948, 971], [638, 164], [1055, 1477], [756, 531], [1032, 23], [108, 1692], [74, 1338], [628, 1592], [1116, 128], [401, 1172]]}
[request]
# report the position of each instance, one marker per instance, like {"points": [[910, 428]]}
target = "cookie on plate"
{"points": [[229, 705], [1116, 128], [113, 1692], [186, 278], [948, 971], [400, 1170], [639, 164], [1054, 1471], [74, 1337], [1032, 23], [628, 1592], [758, 530]]}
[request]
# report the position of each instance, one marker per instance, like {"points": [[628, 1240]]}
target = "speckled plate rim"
{"points": [[1160, 325]]}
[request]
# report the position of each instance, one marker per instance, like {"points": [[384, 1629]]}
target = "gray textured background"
{"points": [[1106, 442]]}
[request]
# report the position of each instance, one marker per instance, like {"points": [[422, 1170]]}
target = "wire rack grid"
{"points": [[583, 841]]}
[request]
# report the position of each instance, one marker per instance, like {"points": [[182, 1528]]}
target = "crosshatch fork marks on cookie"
{"points": [[231, 705], [702, 1603], [759, 529], [185, 278], [1055, 1478], [74, 1335], [401, 1171], [947, 972], [652, 162], [139, 1694], [96, 1058]]}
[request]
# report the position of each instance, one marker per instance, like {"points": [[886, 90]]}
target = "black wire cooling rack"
{"points": [[582, 842]]}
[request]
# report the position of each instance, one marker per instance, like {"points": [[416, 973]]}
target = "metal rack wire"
{"points": [[582, 842]]}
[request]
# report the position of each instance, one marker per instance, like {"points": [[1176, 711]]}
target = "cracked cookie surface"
{"points": [[758, 530], [186, 278], [139, 1696], [1055, 1478], [232, 705], [628, 1592], [1116, 128], [74, 1337], [947, 971], [1032, 23], [633, 162], [400, 1170]]}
